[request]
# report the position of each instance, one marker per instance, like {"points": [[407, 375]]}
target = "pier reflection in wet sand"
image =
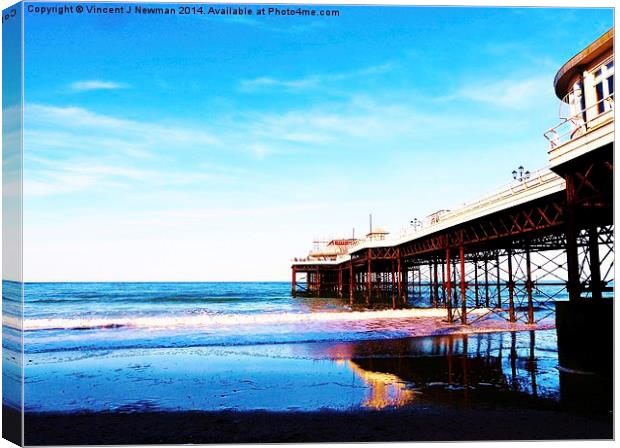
{"points": [[494, 369], [497, 370]]}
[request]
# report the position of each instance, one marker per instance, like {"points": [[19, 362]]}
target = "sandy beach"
{"points": [[491, 386], [417, 424]]}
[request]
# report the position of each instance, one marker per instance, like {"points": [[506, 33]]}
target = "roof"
{"points": [[585, 56], [378, 231]]}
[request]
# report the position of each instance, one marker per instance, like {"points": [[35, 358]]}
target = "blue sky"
{"points": [[217, 148]]}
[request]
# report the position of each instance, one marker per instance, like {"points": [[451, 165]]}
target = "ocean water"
{"points": [[178, 346], [60, 317], [110, 316]]}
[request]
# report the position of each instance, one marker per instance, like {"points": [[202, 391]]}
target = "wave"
{"points": [[205, 321], [396, 329], [208, 300]]}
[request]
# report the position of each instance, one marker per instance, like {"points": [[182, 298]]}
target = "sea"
{"points": [[135, 347]]}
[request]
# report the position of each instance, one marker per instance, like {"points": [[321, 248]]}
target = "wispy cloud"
{"points": [[83, 86], [507, 93], [313, 81], [98, 151], [72, 149], [85, 123], [48, 178]]}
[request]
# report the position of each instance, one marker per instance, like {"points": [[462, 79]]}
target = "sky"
{"points": [[202, 148]]}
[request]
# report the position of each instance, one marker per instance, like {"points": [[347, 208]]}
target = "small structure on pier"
{"points": [[331, 250], [377, 234]]}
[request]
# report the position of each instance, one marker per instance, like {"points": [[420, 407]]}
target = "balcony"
{"points": [[581, 133]]}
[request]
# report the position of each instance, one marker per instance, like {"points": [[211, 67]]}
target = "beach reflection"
{"points": [[516, 370], [507, 368], [384, 389]]}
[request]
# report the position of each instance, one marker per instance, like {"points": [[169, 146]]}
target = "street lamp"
{"points": [[415, 223], [520, 174]]}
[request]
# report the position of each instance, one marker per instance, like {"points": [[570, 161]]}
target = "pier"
{"points": [[545, 235]]}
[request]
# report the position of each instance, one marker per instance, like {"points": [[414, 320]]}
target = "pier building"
{"points": [[516, 250]]}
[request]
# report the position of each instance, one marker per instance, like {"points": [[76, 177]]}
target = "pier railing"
{"points": [[499, 195], [582, 122], [539, 182]]}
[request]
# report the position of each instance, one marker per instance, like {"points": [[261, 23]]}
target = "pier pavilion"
{"points": [[503, 252]]}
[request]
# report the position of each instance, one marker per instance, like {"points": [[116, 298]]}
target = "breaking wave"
{"points": [[206, 321]]}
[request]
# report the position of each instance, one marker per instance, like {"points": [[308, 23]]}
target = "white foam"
{"points": [[206, 321]]}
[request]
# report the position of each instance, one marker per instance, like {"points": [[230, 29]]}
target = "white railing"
{"points": [[575, 126], [504, 192], [497, 196]]}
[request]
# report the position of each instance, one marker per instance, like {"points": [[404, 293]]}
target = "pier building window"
{"points": [[576, 100], [604, 86]]}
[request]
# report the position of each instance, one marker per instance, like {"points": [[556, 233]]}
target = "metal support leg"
{"points": [[595, 265], [463, 286], [405, 287], [511, 290], [443, 284], [529, 287], [572, 256], [448, 285], [431, 290], [455, 299], [351, 283], [499, 283], [435, 286], [477, 299], [369, 277], [399, 278], [486, 282]]}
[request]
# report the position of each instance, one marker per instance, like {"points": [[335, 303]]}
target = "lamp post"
{"points": [[415, 223], [520, 174]]}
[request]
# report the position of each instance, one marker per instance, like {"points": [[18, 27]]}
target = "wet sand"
{"points": [[414, 424], [493, 386]]}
